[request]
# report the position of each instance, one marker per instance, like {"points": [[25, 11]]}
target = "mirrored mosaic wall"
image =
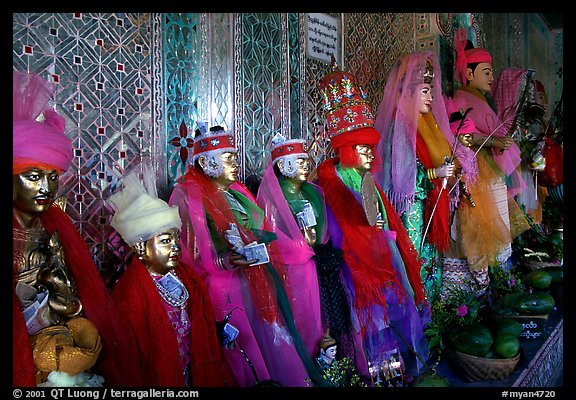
{"points": [[132, 87], [102, 65]]}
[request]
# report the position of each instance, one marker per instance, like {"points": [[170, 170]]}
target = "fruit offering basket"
{"points": [[473, 368], [533, 265]]}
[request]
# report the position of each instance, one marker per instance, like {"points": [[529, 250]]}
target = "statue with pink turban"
{"points": [[66, 331]]}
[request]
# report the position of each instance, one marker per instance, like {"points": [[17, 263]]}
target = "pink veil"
{"points": [[272, 201], [30, 95], [506, 91], [397, 122], [298, 257]]}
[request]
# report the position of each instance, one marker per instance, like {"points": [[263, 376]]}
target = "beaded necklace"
{"points": [[177, 296]]}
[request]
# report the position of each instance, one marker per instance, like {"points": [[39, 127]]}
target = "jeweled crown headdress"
{"points": [[345, 102], [428, 71]]}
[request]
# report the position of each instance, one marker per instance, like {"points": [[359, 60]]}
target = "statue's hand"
{"points": [[310, 235], [466, 139], [232, 260]]}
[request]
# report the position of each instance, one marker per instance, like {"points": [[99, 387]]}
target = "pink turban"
{"points": [[37, 144], [470, 56]]}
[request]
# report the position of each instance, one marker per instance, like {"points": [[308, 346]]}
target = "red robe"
{"points": [[367, 255], [136, 295]]}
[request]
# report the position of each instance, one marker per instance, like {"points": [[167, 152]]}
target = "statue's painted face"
{"points": [[223, 167], [481, 78], [330, 352], [162, 252], [229, 161], [366, 157], [540, 99], [34, 190], [295, 168], [425, 98]]}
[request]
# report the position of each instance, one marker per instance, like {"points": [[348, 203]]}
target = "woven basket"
{"points": [[473, 368], [537, 265]]}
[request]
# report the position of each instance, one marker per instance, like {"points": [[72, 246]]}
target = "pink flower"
{"points": [[512, 282], [462, 310]]}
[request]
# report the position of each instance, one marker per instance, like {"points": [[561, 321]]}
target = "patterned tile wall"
{"points": [[101, 63]]}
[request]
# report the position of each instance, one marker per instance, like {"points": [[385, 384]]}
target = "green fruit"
{"points": [[556, 238], [538, 279], [508, 326], [557, 274], [473, 339], [536, 303], [430, 379], [505, 345], [510, 299]]}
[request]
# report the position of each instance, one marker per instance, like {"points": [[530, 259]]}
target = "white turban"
{"points": [[139, 213]]}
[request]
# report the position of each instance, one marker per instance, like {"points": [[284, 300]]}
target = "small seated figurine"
{"points": [[166, 304], [342, 372], [327, 351]]}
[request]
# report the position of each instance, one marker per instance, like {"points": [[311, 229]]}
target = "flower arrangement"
{"points": [[504, 281], [462, 307], [505, 284], [343, 374]]}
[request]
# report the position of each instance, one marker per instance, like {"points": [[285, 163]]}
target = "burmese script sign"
{"points": [[322, 37]]}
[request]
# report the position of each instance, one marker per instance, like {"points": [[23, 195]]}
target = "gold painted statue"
{"points": [[62, 340], [66, 330]]}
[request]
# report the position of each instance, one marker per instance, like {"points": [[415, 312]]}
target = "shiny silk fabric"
{"points": [[397, 122], [382, 270], [487, 123], [500, 179], [326, 260], [274, 349]]}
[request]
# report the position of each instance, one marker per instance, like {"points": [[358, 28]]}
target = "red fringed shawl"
{"points": [[365, 250], [137, 297], [117, 360]]}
